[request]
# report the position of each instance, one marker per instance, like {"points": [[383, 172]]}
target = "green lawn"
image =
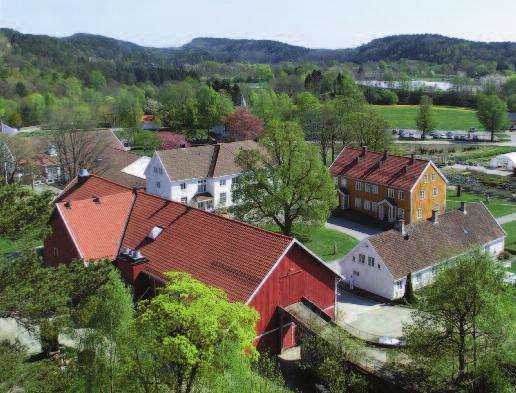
{"points": [[497, 207], [483, 153], [321, 242], [447, 118], [510, 229], [7, 246]]}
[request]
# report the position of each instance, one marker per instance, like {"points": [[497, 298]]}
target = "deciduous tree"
{"points": [[285, 183], [492, 113], [425, 119], [242, 125]]}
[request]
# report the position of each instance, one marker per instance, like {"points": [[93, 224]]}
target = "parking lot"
{"points": [[445, 135]]}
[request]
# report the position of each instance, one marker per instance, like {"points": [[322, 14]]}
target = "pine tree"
{"points": [[409, 290]]}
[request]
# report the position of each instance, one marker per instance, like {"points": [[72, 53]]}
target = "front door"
{"points": [[392, 214], [381, 212]]}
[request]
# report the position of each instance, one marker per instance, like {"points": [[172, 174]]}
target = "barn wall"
{"points": [[298, 275], [59, 246]]}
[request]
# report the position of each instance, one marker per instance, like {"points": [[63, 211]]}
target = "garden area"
{"points": [[498, 207], [447, 118]]}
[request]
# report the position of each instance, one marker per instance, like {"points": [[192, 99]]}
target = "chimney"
{"points": [[405, 169], [463, 207], [96, 199], [83, 176], [364, 151], [434, 216], [385, 154], [412, 159], [401, 227], [68, 205]]}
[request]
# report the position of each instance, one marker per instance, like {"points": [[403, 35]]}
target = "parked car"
{"points": [[513, 128], [394, 132], [450, 134], [476, 138], [472, 129]]}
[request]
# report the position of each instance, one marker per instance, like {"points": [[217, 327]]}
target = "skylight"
{"points": [[155, 232]]}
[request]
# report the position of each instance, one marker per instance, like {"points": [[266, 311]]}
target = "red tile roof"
{"points": [[350, 163], [93, 186], [148, 118], [97, 227], [221, 252]]}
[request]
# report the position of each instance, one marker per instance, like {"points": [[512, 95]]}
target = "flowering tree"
{"points": [[242, 125], [170, 140]]}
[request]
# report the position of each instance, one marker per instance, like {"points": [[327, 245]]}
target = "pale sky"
{"points": [[315, 23]]}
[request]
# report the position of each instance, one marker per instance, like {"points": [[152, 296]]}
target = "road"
{"points": [[511, 142], [505, 219]]}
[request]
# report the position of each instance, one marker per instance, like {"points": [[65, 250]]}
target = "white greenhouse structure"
{"points": [[504, 161]]}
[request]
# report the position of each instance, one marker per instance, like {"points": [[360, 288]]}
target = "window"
{"points": [[401, 195], [375, 207], [375, 189], [201, 185], [222, 182], [356, 273], [343, 182], [367, 204], [358, 203], [56, 252], [222, 199], [435, 191], [183, 186], [370, 261], [184, 200], [390, 193], [354, 259], [361, 258], [401, 213], [155, 169], [433, 176], [399, 284], [418, 276], [358, 186], [378, 266], [158, 184], [422, 195], [425, 179], [160, 171], [367, 187], [419, 213]]}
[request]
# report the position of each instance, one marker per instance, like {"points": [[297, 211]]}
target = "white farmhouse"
{"points": [[199, 176], [380, 264]]}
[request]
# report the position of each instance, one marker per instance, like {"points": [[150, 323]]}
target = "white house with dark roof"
{"points": [[380, 264], [199, 176]]}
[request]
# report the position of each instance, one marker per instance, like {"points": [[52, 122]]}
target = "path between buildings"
{"points": [[505, 219], [353, 229]]}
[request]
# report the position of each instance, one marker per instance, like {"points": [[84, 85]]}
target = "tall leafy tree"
{"points": [[425, 119], [462, 320], [182, 330], [320, 125], [492, 113], [284, 183], [367, 128]]}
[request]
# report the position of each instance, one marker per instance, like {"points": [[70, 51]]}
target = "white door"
{"points": [[392, 215], [381, 212]]}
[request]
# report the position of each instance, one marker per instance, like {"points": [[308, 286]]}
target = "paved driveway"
{"points": [[370, 317], [356, 230]]}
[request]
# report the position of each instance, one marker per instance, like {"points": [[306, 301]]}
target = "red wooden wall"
{"points": [[60, 239], [298, 274]]}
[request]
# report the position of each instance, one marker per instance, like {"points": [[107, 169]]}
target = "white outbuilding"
{"points": [[504, 161]]}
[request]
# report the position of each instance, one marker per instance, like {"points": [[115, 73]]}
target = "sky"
{"points": [[315, 23]]}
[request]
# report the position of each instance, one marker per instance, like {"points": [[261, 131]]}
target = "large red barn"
{"points": [[147, 236]]}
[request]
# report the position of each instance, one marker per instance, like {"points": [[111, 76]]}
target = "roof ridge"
{"points": [[214, 159], [381, 153], [218, 216]]}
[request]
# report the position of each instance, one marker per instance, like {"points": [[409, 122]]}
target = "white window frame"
{"points": [[358, 203], [184, 200], [367, 187], [390, 193], [358, 185], [401, 213], [433, 176], [370, 261], [201, 185], [183, 186], [374, 207], [158, 184], [422, 195], [367, 204], [361, 258], [435, 191], [375, 189], [222, 182], [420, 213], [425, 179], [223, 198], [401, 195]]}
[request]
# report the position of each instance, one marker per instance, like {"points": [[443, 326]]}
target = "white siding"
{"points": [[495, 247], [164, 190], [370, 278]]}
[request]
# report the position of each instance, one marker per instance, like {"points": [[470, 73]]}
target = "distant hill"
{"points": [[424, 47]]}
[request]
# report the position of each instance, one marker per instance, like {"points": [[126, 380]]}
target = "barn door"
{"points": [[291, 286]]}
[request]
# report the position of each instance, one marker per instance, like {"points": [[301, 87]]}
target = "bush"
{"points": [[409, 296], [504, 256]]}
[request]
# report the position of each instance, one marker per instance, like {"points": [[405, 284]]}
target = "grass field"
{"points": [[497, 207], [510, 229], [447, 118], [8, 246], [484, 152], [321, 241]]}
